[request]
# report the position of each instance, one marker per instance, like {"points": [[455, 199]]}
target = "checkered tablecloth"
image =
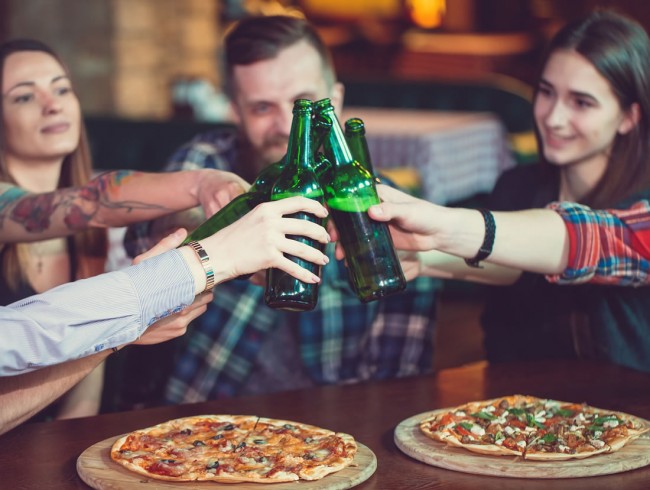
{"points": [[457, 154]]}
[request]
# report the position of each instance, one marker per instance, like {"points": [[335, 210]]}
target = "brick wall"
{"points": [[124, 54]]}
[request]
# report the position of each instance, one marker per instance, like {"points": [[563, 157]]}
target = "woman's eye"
{"points": [[583, 104], [21, 99], [63, 90]]}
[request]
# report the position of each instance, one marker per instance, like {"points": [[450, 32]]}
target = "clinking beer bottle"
{"points": [[355, 136], [350, 190], [259, 192], [297, 178]]}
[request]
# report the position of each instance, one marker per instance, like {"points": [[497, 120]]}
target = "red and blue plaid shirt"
{"points": [[606, 247]]}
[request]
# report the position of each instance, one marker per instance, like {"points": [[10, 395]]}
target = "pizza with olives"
{"points": [[234, 448], [534, 428]]}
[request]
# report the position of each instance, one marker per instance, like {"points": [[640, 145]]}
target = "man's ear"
{"points": [[336, 97], [631, 119]]}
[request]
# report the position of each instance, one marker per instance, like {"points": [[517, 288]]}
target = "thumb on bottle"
{"points": [[378, 212]]}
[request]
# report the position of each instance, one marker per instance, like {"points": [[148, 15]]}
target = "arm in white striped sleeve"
{"points": [[78, 319]]}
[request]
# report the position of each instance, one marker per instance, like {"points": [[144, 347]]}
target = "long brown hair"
{"points": [[90, 246], [619, 49]]}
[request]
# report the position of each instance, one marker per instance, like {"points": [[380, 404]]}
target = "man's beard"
{"points": [[254, 159], [273, 149]]}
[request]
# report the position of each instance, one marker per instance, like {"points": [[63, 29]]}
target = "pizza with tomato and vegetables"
{"points": [[534, 428], [234, 448]]}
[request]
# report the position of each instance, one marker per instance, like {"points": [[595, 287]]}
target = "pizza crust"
{"points": [[264, 438]]}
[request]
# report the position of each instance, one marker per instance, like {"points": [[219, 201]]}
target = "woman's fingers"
{"points": [[296, 271], [307, 229], [296, 204], [304, 251]]}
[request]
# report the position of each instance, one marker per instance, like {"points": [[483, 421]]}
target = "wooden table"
{"points": [[457, 154], [43, 455]]}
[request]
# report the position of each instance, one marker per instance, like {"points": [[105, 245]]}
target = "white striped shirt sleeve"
{"points": [[88, 316]]}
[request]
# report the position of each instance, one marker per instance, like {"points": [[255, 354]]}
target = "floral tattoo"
{"points": [[76, 207]]}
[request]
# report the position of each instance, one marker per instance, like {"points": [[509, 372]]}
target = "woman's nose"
{"points": [[50, 103], [557, 115]]}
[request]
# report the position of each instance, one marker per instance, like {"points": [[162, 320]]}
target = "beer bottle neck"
{"points": [[320, 128], [299, 153], [336, 148], [359, 149]]}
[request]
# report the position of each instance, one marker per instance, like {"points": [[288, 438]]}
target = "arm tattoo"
{"points": [[77, 206]]}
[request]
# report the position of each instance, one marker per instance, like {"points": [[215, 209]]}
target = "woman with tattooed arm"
{"points": [[52, 216]]}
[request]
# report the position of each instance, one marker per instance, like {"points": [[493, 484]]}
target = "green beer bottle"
{"points": [[350, 190], [297, 178], [355, 136], [320, 129], [259, 192]]}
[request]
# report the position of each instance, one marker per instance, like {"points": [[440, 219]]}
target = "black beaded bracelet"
{"points": [[488, 241]]}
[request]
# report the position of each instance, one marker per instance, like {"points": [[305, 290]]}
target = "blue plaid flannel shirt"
{"points": [[341, 341]]}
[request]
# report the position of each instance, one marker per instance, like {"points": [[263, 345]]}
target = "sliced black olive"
{"points": [[167, 461], [218, 436], [198, 443], [186, 432], [213, 466], [229, 427], [259, 441]]}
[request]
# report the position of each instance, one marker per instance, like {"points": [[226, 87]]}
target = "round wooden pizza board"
{"points": [[98, 470], [411, 441]]}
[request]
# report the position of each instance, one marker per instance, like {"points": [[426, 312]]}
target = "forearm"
{"points": [[115, 198], [141, 196], [81, 318], [23, 396], [442, 265], [533, 240]]}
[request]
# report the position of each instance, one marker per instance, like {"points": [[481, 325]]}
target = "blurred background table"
{"points": [[456, 154]]}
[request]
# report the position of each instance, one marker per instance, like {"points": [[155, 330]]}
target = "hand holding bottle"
{"points": [[412, 221], [216, 188], [259, 241]]}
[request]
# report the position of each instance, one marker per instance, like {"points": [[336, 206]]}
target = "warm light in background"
{"points": [[426, 13], [357, 9]]}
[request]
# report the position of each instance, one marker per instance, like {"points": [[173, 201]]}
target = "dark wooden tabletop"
{"points": [[43, 455]]}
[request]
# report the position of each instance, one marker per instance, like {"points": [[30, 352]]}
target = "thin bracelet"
{"points": [[488, 240], [205, 262]]}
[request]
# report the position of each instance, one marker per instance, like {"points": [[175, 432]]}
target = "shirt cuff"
{"points": [[161, 281], [581, 224]]}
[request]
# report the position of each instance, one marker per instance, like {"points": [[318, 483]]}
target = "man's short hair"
{"points": [[262, 38]]}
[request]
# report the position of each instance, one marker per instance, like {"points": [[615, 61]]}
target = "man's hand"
{"points": [[175, 325]]}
